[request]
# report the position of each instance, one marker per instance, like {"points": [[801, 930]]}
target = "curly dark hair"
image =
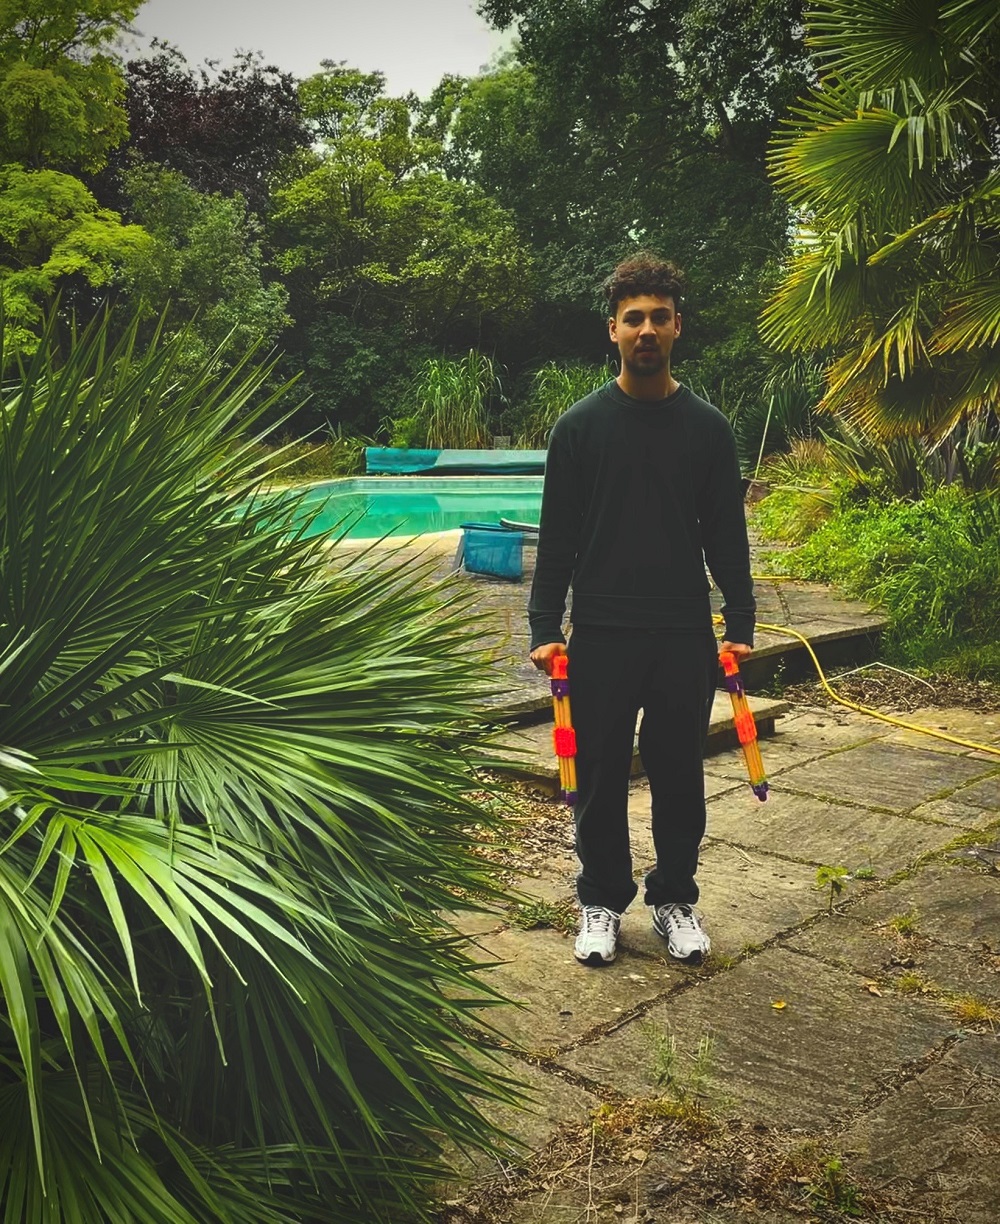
{"points": [[642, 273]]}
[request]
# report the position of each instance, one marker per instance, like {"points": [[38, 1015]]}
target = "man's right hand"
{"points": [[542, 656]]}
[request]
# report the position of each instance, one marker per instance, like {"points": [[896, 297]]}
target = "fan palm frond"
{"points": [[237, 790], [891, 164]]}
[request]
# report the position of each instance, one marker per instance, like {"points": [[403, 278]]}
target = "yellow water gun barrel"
{"points": [[563, 735], [746, 728]]}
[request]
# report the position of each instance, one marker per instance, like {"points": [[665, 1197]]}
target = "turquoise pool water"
{"points": [[415, 505]]}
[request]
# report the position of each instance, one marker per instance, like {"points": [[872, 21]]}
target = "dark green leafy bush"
{"points": [[933, 565], [233, 769]]}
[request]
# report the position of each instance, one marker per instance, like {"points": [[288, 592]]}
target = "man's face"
{"points": [[645, 329]]}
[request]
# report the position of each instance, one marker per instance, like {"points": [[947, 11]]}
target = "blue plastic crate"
{"points": [[498, 553]]}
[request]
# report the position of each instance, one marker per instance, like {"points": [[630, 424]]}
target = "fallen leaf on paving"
{"points": [[779, 1004], [872, 988]]}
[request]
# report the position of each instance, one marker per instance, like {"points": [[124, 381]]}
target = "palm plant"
{"points": [[451, 400], [554, 388], [781, 414], [233, 786], [893, 165]]}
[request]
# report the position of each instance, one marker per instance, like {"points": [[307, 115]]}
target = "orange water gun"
{"points": [[563, 735], [746, 728]]}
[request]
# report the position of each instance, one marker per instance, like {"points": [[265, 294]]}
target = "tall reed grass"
{"points": [[449, 401], [554, 388]]}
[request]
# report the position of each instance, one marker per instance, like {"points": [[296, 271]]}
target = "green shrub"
{"points": [[233, 769], [323, 459], [933, 565], [803, 493]]}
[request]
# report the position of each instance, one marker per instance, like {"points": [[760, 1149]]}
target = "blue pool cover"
{"points": [[397, 461]]}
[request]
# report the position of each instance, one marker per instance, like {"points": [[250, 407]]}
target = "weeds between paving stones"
{"points": [[834, 1191], [968, 1009], [635, 1160], [686, 1087], [904, 925], [529, 915], [913, 983], [833, 878], [973, 853]]}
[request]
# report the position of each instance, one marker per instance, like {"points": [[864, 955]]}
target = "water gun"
{"points": [[746, 728], [563, 735]]}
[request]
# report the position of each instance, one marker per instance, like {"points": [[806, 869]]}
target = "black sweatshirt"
{"points": [[638, 496]]}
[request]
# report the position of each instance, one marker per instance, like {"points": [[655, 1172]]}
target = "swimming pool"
{"points": [[416, 505]]}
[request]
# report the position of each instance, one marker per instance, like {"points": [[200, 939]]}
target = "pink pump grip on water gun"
{"points": [[746, 728]]}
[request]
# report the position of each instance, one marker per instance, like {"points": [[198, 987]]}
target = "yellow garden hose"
{"points": [[853, 705]]}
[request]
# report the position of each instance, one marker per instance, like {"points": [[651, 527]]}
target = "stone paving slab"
{"points": [[472, 922], [804, 734], [553, 1102], [808, 1065], [882, 775], [984, 794], [564, 1000], [954, 812], [953, 904], [941, 1134], [881, 955], [963, 723], [746, 901], [822, 832]]}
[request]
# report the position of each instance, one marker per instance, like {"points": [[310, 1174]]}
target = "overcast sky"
{"points": [[414, 42]]}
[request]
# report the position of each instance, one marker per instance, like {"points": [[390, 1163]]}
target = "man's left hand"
{"points": [[739, 649]]}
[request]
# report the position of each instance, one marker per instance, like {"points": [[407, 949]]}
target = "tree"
{"points": [[203, 265], [639, 72], [648, 127], [54, 238], [226, 131], [386, 259], [893, 166], [60, 93], [60, 113], [234, 775], [494, 130]]}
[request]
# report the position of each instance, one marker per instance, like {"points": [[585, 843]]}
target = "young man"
{"points": [[642, 488]]}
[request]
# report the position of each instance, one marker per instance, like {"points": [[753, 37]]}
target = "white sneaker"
{"points": [[595, 945], [679, 926]]}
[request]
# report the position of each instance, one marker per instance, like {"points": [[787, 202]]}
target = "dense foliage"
{"points": [[387, 260], [232, 776], [642, 123], [893, 164], [227, 131], [394, 230], [932, 565]]}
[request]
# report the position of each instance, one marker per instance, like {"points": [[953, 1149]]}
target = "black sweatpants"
{"points": [[671, 677]]}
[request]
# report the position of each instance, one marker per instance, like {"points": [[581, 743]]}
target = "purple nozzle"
{"points": [[760, 789], [569, 796], [734, 685], [560, 688]]}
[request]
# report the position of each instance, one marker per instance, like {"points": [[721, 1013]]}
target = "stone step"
{"points": [[523, 693], [533, 757]]}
